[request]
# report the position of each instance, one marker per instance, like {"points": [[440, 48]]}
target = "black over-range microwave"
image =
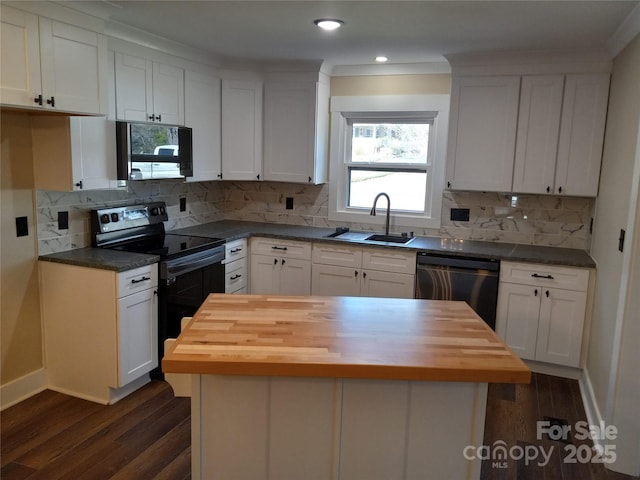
{"points": [[150, 151]]}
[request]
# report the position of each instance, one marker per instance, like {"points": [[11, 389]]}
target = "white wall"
{"points": [[612, 213]]}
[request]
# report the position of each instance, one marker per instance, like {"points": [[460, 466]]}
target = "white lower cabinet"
{"points": [[357, 271], [541, 311], [280, 267], [100, 329], [235, 267]]}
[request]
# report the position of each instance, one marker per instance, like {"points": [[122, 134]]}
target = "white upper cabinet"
{"points": [[73, 153], [537, 137], [546, 139], [584, 112], [51, 65], [241, 129], [482, 133], [296, 115], [202, 114], [148, 91]]}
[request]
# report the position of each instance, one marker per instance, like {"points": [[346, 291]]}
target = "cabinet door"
{"points": [[537, 137], [235, 275], [95, 167], [295, 277], [74, 67], [137, 335], [168, 94], [517, 318], [560, 328], [241, 130], [20, 53], [134, 88], [584, 112], [332, 280], [202, 114], [482, 133], [384, 284], [265, 274], [289, 131]]}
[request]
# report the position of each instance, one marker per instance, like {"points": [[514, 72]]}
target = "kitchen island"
{"points": [[338, 387]]}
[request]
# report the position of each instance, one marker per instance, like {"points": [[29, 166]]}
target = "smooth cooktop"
{"points": [[170, 245]]}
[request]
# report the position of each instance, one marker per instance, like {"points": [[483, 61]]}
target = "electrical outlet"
{"points": [[63, 220], [22, 227], [459, 214], [289, 203], [183, 204]]}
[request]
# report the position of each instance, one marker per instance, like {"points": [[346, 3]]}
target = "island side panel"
{"points": [[277, 427]]}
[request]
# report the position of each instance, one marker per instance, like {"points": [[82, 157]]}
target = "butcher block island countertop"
{"points": [[343, 337]]}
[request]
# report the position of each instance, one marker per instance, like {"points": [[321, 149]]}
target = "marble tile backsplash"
{"points": [[205, 202], [527, 219]]}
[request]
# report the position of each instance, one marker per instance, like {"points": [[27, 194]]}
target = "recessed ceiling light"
{"points": [[381, 58], [328, 23]]}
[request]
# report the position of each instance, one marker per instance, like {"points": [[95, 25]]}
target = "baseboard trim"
{"points": [[22, 388], [594, 417]]}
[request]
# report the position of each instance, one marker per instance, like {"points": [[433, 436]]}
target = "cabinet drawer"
{"points": [[388, 260], [236, 249], [337, 255], [568, 278], [138, 279], [235, 275], [281, 248]]}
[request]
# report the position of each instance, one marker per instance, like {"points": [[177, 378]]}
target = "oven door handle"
{"points": [[170, 269]]}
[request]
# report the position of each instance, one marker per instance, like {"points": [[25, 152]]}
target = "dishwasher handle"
{"points": [[471, 263]]}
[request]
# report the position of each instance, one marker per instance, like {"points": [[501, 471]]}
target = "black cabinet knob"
{"points": [[38, 100], [51, 101]]}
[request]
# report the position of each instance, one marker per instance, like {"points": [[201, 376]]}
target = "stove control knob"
{"points": [[114, 217], [154, 211], [104, 218]]}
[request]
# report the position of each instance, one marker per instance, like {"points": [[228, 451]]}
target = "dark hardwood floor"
{"points": [[147, 435]]}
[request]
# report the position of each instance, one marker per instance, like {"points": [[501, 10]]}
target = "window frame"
{"points": [[398, 108]]}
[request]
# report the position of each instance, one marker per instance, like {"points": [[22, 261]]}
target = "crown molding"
{"points": [[390, 69], [626, 32]]}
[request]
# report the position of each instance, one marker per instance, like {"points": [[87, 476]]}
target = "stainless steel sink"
{"points": [[379, 237]]}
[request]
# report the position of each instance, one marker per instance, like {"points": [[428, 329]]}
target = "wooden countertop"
{"points": [[343, 337]]}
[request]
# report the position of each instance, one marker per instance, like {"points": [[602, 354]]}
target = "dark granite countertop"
{"points": [[102, 258], [234, 229]]}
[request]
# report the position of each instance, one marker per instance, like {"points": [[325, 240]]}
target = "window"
{"points": [[391, 144]]}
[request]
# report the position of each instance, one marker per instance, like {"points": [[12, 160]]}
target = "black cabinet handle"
{"points": [[356, 273], [258, 176], [535, 292], [309, 178], [535, 275], [364, 274], [235, 277], [38, 100], [282, 261], [559, 189], [159, 118], [143, 279], [235, 250], [152, 117], [220, 176], [79, 184], [548, 189], [275, 261], [51, 101], [448, 184], [275, 247]]}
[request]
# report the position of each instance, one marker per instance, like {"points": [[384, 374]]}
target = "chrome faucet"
{"points": [[373, 210]]}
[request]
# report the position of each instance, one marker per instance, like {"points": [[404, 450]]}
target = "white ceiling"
{"points": [[408, 32]]}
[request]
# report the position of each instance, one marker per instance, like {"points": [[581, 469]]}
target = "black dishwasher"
{"points": [[448, 277]]}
